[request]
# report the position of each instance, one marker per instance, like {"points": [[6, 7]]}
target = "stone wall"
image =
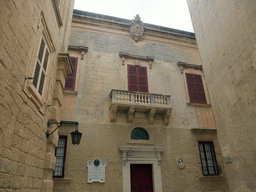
{"points": [[23, 122], [226, 37]]}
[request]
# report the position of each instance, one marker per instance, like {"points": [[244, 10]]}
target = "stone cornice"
{"points": [[124, 56], [81, 49], [183, 65], [125, 23], [78, 48], [131, 56]]}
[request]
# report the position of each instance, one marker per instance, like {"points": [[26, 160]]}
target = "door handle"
{"points": [[146, 185], [134, 186]]}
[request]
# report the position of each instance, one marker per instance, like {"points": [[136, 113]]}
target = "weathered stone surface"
{"points": [[23, 144], [225, 33]]}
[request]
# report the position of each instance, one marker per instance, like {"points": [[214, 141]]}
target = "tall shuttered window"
{"points": [[208, 159], [60, 154], [195, 88], [41, 66], [137, 78], [71, 78]]}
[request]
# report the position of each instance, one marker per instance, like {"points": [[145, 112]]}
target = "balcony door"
{"points": [[137, 78], [141, 178]]}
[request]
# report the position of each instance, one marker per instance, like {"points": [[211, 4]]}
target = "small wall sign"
{"points": [[180, 163], [96, 171]]}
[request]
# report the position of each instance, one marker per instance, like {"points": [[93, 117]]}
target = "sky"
{"points": [[166, 13]]}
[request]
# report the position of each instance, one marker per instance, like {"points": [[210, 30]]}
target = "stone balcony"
{"points": [[148, 103]]}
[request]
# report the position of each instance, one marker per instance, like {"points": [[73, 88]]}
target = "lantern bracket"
{"points": [[60, 124]]}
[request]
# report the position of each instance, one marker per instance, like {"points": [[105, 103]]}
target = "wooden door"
{"points": [[141, 178]]}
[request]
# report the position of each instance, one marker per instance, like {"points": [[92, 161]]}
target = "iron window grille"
{"points": [[60, 154], [208, 159]]}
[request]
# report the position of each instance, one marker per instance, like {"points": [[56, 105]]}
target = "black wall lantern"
{"points": [[75, 135]]}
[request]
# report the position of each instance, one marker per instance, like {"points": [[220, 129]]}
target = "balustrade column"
{"points": [[114, 95], [132, 95], [152, 99], [168, 100]]}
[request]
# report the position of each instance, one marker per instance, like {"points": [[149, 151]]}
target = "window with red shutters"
{"points": [[71, 78], [137, 78], [195, 88]]}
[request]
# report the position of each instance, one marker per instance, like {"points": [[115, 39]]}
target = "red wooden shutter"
{"points": [[195, 88], [132, 78], [137, 78], [143, 81], [71, 78]]}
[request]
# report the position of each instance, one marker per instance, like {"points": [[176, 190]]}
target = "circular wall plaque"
{"points": [[96, 162], [180, 163]]}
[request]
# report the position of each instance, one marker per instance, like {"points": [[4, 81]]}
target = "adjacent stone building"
{"points": [[33, 67], [139, 94], [226, 37]]}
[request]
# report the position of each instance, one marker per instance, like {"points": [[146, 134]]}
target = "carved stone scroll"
{"points": [[167, 116], [151, 115], [130, 113], [113, 111]]}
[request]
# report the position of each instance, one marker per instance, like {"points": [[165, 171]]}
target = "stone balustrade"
{"points": [[132, 101]]}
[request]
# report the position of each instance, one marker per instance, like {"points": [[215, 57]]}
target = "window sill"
{"points": [[211, 178], [70, 92], [199, 105], [204, 130], [62, 180], [34, 96]]}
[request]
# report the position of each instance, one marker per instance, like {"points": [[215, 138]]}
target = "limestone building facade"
{"points": [[33, 66], [148, 107], [139, 94], [226, 37]]}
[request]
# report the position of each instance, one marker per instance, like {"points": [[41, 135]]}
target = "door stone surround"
{"points": [[142, 155]]}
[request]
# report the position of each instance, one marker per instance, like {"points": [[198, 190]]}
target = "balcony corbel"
{"points": [[113, 111], [81, 49], [167, 115], [130, 113], [151, 115]]}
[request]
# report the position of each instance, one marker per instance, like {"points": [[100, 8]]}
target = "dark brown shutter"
{"points": [[195, 88], [71, 78], [137, 78]]}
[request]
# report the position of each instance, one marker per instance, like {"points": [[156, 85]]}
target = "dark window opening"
{"points": [[208, 159], [139, 134], [60, 154]]}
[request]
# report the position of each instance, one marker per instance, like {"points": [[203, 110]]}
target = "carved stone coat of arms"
{"points": [[137, 28]]}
